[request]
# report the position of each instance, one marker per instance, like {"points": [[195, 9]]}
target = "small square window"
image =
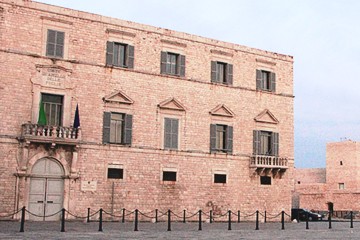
{"points": [[219, 178], [341, 163], [341, 186], [169, 176], [115, 173], [265, 180]]}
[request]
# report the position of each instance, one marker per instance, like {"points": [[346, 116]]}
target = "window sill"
{"points": [[115, 66]]}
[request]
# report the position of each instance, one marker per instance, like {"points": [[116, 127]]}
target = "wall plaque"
{"points": [[88, 186]]}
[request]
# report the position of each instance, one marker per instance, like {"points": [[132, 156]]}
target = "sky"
{"points": [[322, 35]]}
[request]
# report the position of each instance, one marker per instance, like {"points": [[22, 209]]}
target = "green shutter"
{"points": [[213, 71], [182, 66], [258, 79], [256, 142], [229, 74], [128, 129], [272, 82], [212, 138], [106, 127], [109, 53], [130, 56], [163, 61], [275, 143], [229, 139]]}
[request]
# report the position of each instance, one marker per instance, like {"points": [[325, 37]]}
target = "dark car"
{"points": [[300, 214]]}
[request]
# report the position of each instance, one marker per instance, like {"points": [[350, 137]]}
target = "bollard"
{"points": [[100, 220], [88, 216], [257, 220], [307, 220], [211, 220], [184, 216], [238, 216], [63, 220], [22, 223], [200, 221], [265, 216], [329, 220], [136, 220], [123, 215], [156, 215], [169, 220], [282, 220], [229, 222], [351, 220]]}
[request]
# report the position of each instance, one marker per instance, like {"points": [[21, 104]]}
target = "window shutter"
{"points": [[229, 74], [175, 131], [213, 71], [275, 143], [182, 66], [163, 62], [128, 129], [60, 38], [256, 143], [229, 140], [273, 82], [106, 127], [167, 133], [109, 53], [212, 137], [258, 79], [130, 56], [50, 44]]}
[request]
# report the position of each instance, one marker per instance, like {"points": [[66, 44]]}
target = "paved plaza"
{"points": [[147, 230]]}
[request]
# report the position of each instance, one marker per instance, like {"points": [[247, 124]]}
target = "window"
{"points": [[219, 178], [221, 72], [117, 128], [55, 44], [53, 106], [341, 163], [265, 180], [115, 173], [119, 55], [172, 64], [169, 176], [171, 130], [341, 186], [221, 138], [265, 80], [266, 143]]}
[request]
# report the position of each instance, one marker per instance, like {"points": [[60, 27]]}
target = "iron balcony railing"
{"points": [[263, 161]]}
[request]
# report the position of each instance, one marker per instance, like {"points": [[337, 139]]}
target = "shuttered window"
{"points": [[221, 138], [221, 72], [55, 44], [119, 55], [169, 176], [171, 135], [172, 64], [117, 128], [265, 80], [219, 178], [266, 143]]}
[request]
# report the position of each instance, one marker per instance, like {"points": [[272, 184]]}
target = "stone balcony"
{"points": [[273, 163], [50, 134]]}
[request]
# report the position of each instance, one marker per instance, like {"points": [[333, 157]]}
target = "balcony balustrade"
{"points": [[262, 161]]}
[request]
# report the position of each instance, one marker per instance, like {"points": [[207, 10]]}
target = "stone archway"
{"points": [[46, 193]]}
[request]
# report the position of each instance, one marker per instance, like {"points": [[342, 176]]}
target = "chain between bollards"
{"points": [[136, 220], [257, 220], [282, 220], [100, 220], [22, 223], [169, 220], [63, 220], [229, 222], [200, 220]]}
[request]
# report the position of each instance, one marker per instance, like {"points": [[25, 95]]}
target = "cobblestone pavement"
{"points": [[147, 230]]}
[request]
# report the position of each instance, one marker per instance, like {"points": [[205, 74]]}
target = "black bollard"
{"points": [[229, 222], [238, 216], [257, 220], [63, 220], [123, 215], [329, 220], [265, 216], [156, 215], [22, 223], [169, 220], [351, 220], [136, 220], [282, 220], [307, 220], [100, 220], [184, 216], [211, 220], [200, 221], [88, 216]]}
